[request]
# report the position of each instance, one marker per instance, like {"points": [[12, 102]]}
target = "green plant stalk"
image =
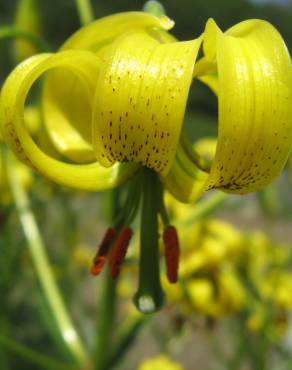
{"points": [[85, 11], [203, 208], [128, 337], [256, 347], [105, 323], [154, 7], [107, 304], [108, 295], [269, 201], [149, 296], [42, 266], [31, 356], [10, 32]]}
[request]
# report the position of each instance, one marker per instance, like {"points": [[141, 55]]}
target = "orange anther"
{"points": [[103, 249], [172, 253], [119, 251]]}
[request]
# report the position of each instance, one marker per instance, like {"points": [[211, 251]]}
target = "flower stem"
{"points": [[149, 297], [107, 304], [128, 338], [33, 357], [85, 11], [10, 32], [105, 323], [42, 266], [204, 208], [154, 7]]}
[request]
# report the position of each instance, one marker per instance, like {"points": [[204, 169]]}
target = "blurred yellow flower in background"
{"points": [[226, 271], [161, 362]]}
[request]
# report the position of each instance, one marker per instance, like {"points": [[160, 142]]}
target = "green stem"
{"points": [[42, 265], [270, 202], [202, 163], [161, 205], [105, 323], [256, 348], [128, 337], [204, 208], [154, 7], [149, 297], [126, 214], [85, 11], [107, 300], [9, 32], [31, 356]]}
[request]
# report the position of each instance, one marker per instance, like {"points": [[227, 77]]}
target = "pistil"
{"points": [[149, 297]]}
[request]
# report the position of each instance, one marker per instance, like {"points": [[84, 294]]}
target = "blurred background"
{"points": [[232, 307]]}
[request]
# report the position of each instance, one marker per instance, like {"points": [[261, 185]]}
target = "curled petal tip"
{"points": [[166, 22], [211, 33]]}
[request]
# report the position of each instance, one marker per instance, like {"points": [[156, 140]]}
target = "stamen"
{"points": [[119, 251], [103, 249], [172, 253]]}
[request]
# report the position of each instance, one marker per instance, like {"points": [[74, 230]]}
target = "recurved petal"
{"points": [[67, 113], [185, 181], [147, 83], [13, 95], [206, 71], [255, 94], [104, 30], [67, 110], [249, 68]]}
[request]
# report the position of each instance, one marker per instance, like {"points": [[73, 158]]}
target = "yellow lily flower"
{"points": [[120, 87], [114, 102]]}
